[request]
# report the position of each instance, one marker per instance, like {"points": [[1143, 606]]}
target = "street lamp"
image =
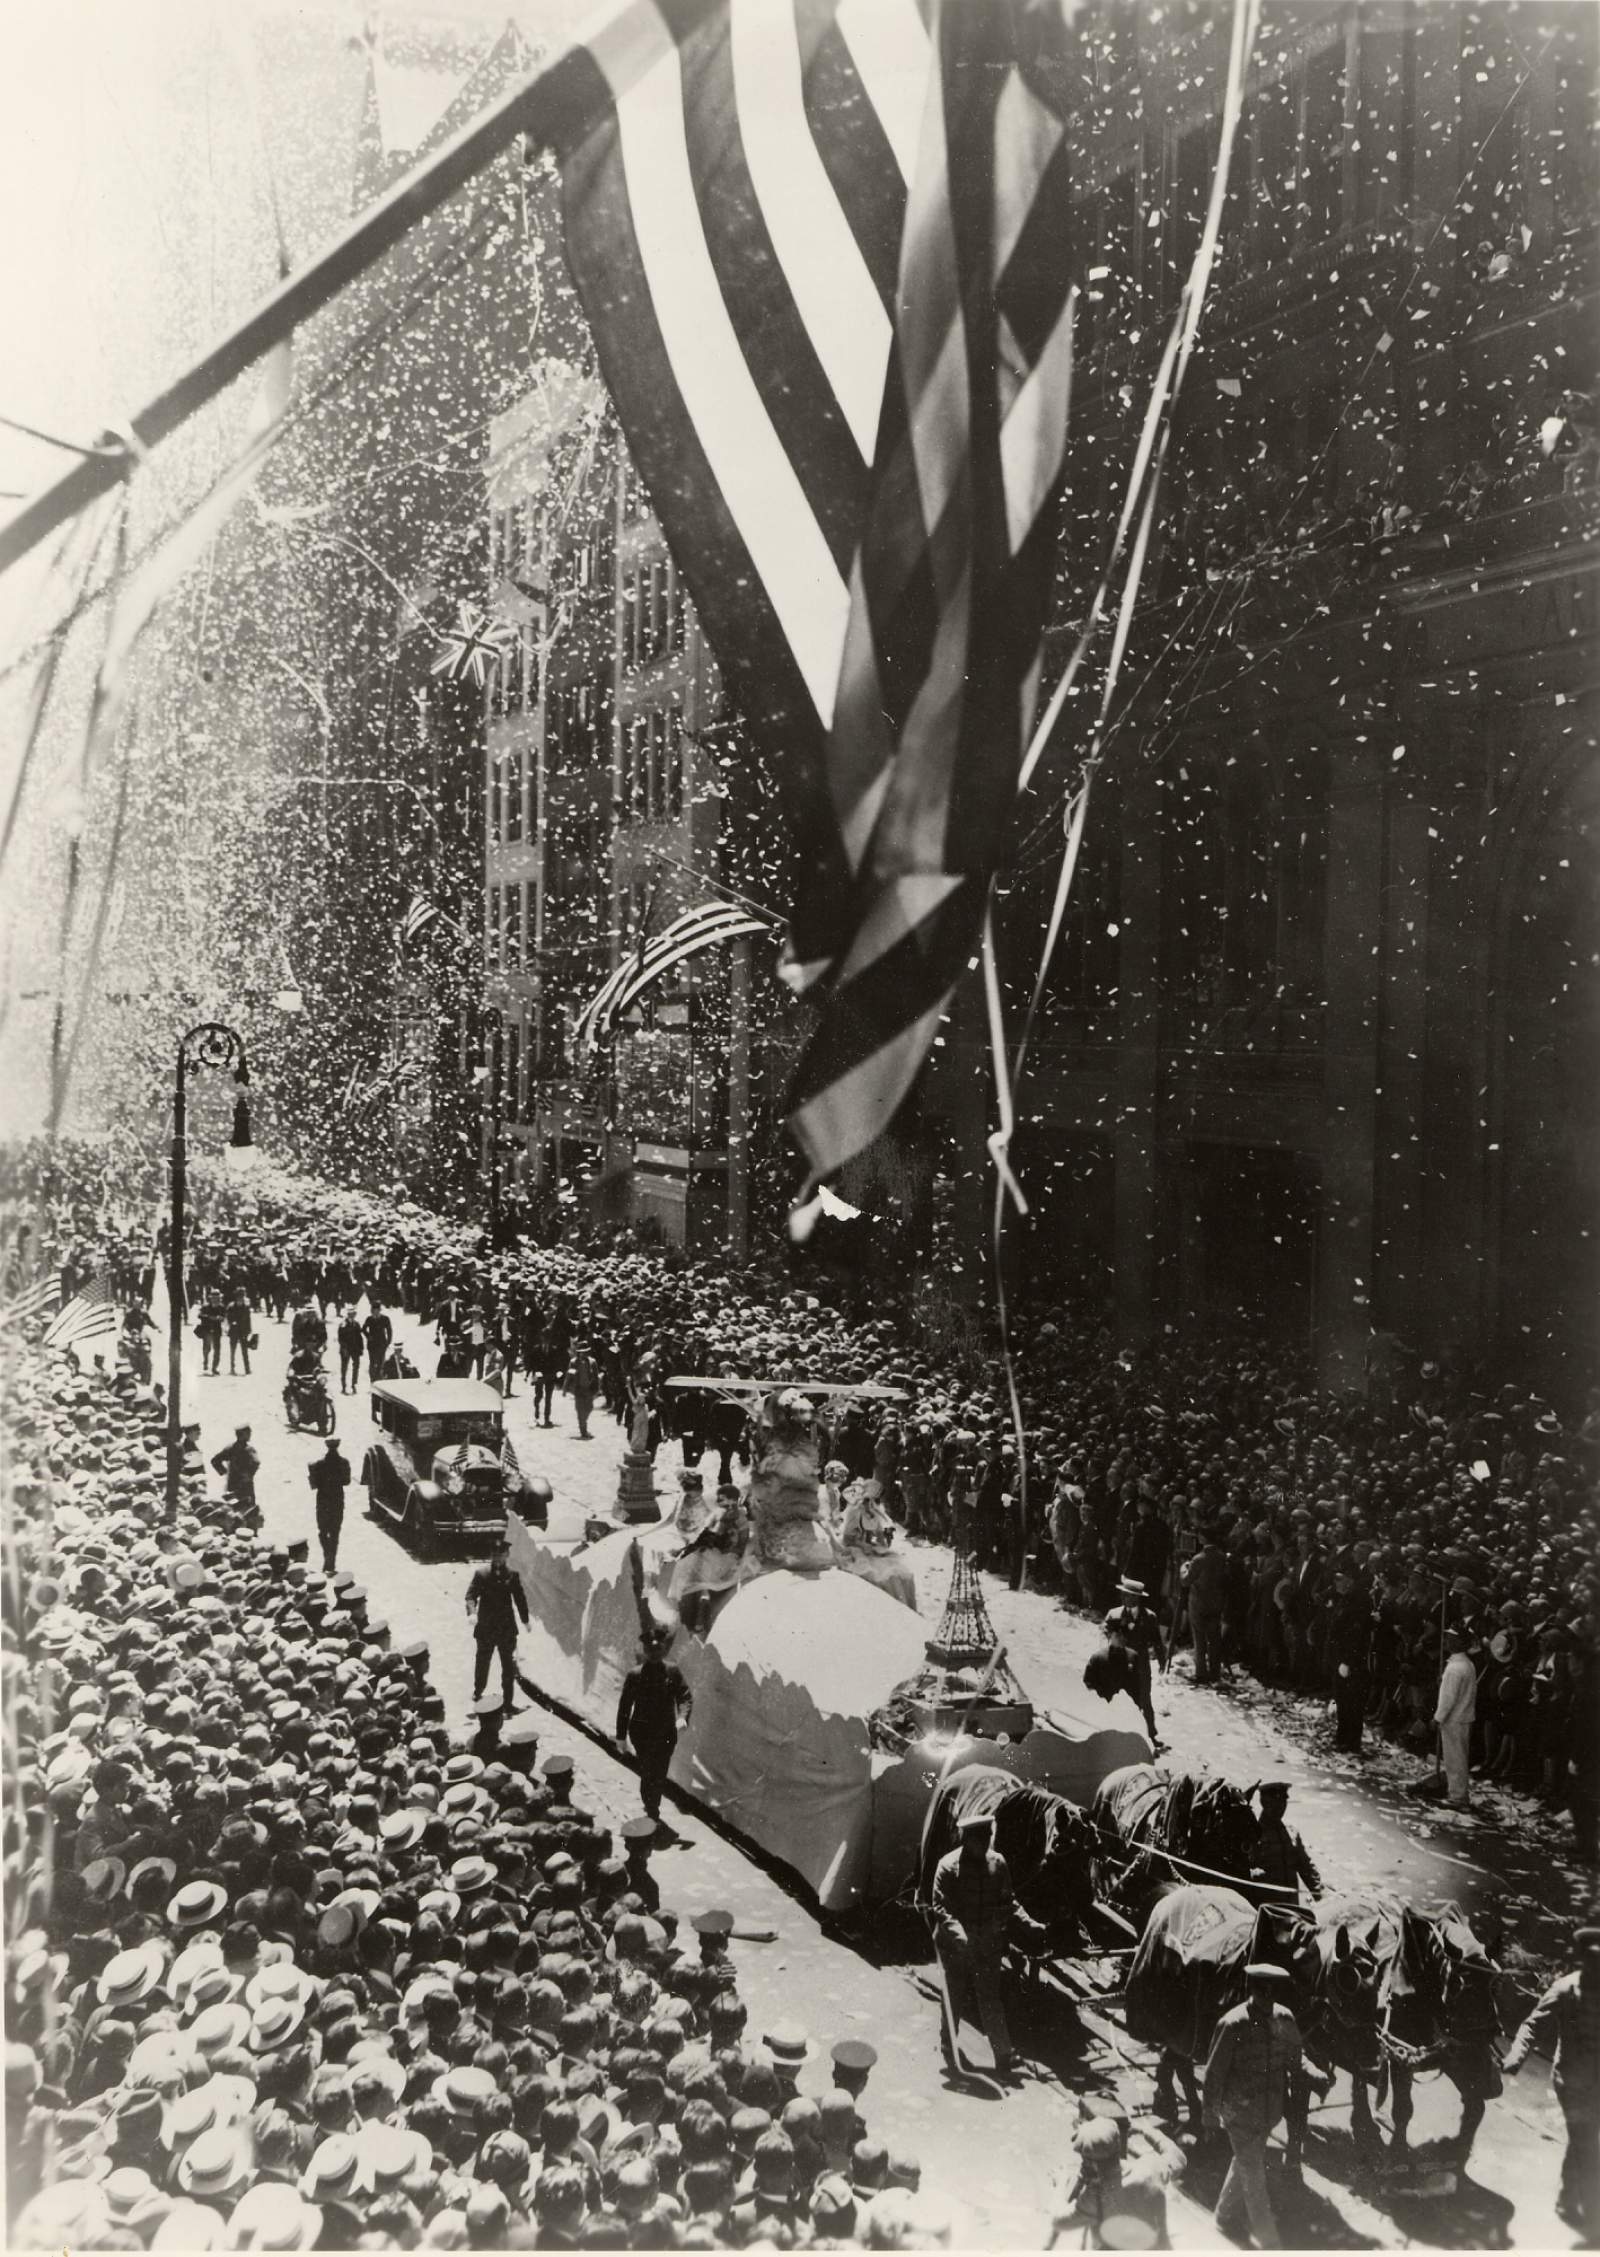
{"points": [[208, 1044]]}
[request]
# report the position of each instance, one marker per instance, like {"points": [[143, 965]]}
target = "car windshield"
{"points": [[463, 1427], [477, 1427]]}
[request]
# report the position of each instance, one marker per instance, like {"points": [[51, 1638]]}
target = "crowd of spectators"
{"points": [[415, 1995], [1312, 1532], [291, 1966]]}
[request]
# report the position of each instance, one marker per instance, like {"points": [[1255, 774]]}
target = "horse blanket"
{"points": [[1189, 1968]]}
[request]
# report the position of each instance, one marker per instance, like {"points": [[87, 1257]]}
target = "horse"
{"points": [[1188, 1971], [1159, 1817], [1437, 2007], [1046, 1841]]}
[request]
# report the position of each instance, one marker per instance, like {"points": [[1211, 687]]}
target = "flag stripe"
{"points": [[756, 477], [853, 148], [603, 254], [89, 1315], [889, 46], [811, 239], [33, 1301], [689, 935], [902, 983], [657, 966], [777, 347]]}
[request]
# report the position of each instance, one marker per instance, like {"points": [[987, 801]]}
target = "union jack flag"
{"points": [[474, 644], [824, 247]]}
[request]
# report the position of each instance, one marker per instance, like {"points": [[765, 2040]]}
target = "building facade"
{"points": [[1320, 1052], [609, 765]]}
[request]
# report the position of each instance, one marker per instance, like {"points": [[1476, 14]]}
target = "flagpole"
{"points": [[554, 105]]}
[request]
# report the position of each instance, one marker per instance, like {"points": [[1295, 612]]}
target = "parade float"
{"points": [[824, 1714]]}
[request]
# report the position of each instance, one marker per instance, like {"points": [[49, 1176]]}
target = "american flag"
{"points": [[511, 1464], [418, 917], [88, 1316], [35, 1300], [824, 248]]}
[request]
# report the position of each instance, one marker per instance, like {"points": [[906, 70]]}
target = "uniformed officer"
{"points": [[655, 1701], [1255, 2058], [1281, 1856], [497, 1602], [975, 1914], [238, 1465], [1567, 2018], [638, 1840]]}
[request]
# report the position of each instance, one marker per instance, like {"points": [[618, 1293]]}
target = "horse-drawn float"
{"points": [[824, 1716]]}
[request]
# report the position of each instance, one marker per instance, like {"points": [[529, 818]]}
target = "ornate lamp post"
{"points": [[208, 1044]]}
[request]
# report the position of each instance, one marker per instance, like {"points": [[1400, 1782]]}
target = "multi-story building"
{"points": [[1321, 1049], [608, 759]]}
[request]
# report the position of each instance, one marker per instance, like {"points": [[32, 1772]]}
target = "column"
{"points": [[1351, 980], [1135, 1217]]}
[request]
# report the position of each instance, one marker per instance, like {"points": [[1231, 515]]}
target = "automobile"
{"points": [[435, 1468]]}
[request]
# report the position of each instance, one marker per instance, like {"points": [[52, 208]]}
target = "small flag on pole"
{"points": [[418, 917], [511, 1465], [90, 1315], [42, 1298]]}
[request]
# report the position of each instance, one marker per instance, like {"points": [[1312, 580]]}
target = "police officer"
{"points": [[238, 1465], [497, 1603], [330, 1478], [1255, 2062], [975, 1914], [655, 1701]]}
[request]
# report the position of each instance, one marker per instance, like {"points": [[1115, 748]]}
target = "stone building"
{"points": [[1320, 1052]]}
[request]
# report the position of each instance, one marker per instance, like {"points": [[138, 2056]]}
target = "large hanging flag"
{"points": [[824, 248], [89, 1316]]}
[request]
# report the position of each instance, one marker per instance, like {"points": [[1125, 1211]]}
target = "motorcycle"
{"points": [[307, 1403]]}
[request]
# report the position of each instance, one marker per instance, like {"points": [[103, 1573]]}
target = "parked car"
{"points": [[436, 1467]]}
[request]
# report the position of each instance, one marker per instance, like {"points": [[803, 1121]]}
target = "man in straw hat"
{"points": [[1134, 1630]]}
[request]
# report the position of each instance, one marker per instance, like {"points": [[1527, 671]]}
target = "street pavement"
{"points": [[1360, 1827]]}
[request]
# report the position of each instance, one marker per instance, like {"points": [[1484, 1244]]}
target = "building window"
{"points": [[514, 897], [512, 1055], [678, 612], [496, 796], [674, 764], [515, 773], [492, 939]]}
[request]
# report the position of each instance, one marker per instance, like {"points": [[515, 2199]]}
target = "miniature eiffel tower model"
{"points": [[965, 1658]]}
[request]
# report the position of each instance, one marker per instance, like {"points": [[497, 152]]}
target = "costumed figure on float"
{"points": [[787, 1523], [713, 1547]]}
